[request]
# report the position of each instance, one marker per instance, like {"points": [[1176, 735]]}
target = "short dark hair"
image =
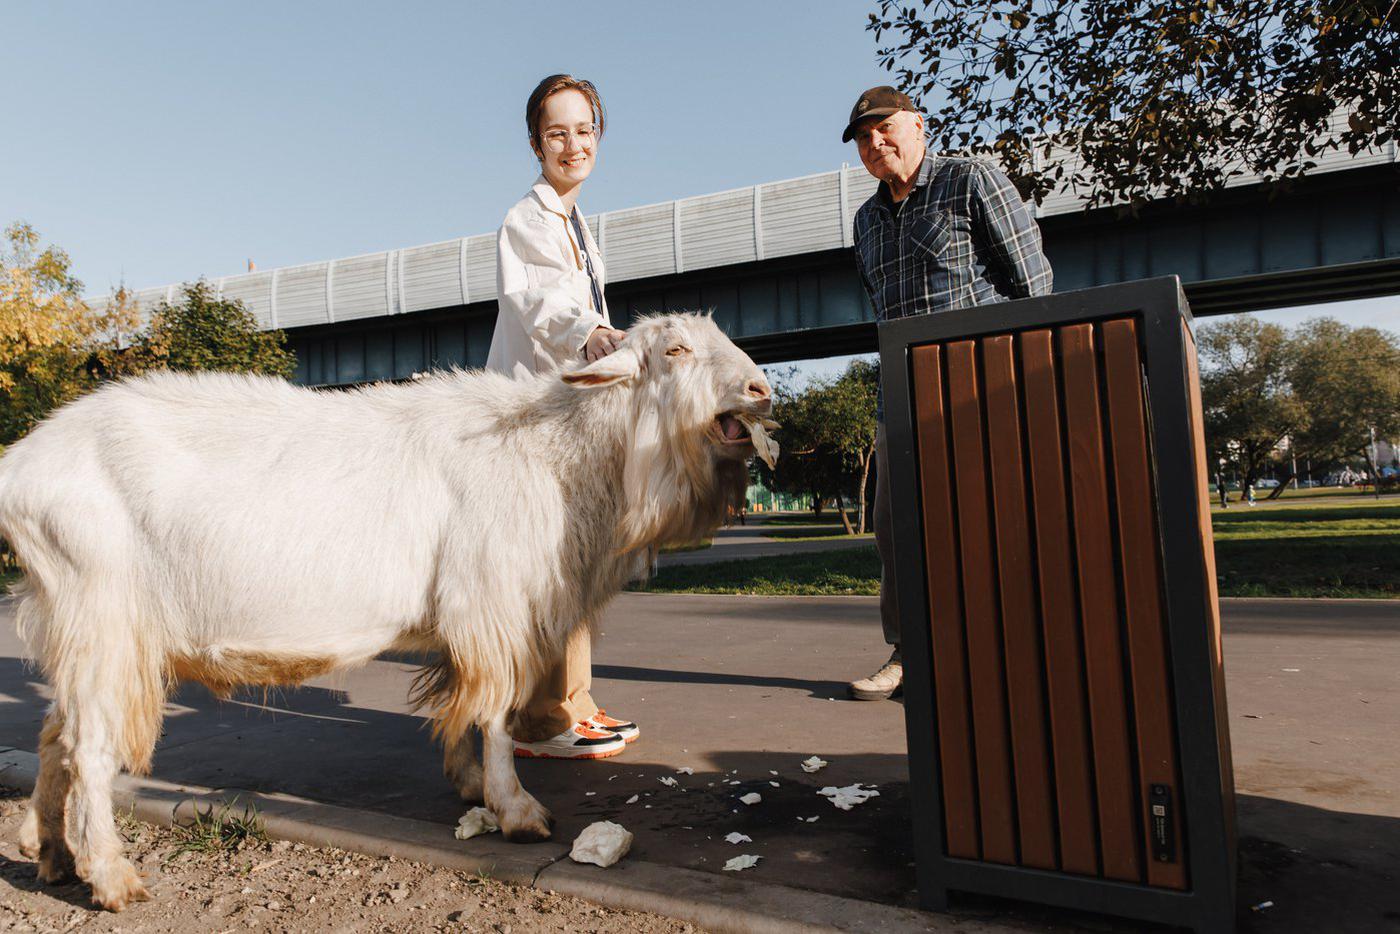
{"points": [[547, 89]]}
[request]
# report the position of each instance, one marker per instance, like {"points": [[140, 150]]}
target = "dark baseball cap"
{"points": [[877, 102]]}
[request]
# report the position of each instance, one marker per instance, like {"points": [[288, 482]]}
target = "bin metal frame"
{"points": [[1189, 607]]}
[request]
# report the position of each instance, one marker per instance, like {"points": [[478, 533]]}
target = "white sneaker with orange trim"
{"points": [[624, 728], [580, 741]]}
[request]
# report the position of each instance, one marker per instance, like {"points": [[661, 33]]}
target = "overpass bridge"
{"points": [[774, 263]]}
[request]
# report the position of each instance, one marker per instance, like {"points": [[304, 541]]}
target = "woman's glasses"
{"points": [[558, 140]]}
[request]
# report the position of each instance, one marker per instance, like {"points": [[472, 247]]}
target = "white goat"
{"points": [[214, 528]]}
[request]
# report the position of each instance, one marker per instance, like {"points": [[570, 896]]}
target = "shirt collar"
{"points": [[549, 197], [925, 176]]}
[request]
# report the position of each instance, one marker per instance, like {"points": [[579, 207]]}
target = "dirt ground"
{"points": [[256, 885]]}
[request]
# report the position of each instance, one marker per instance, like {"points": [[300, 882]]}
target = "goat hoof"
{"points": [[117, 886], [530, 834], [29, 834], [56, 865], [528, 823]]}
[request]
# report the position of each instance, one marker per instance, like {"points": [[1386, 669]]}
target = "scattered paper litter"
{"points": [[1292, 669], [668, 781], [848, 797], [476, 821], [741, 862], [685, 770], [737, 837], [813, 820], [634, 799], [813, 764], [772, 772], [752, 797], [775, 784], [1262, 905], [601, 844], [589, 794]]}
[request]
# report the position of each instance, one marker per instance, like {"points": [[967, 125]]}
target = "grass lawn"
{"points": [[1336, 549], [848, 572], [1341, 549]]}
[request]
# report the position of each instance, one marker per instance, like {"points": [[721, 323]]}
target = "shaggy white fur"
{"points": [[239, 530]]}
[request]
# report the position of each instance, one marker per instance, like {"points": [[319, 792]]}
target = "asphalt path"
{"points": [[739, 688]]}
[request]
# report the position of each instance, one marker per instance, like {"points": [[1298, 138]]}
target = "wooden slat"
{"points": [[984, 651], [1093, 540], [956, 758], [1020, 620], [1140, 558], [1069, 715]]}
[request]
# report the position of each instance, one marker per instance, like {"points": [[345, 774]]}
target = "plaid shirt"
{"points": [[962, 237]]}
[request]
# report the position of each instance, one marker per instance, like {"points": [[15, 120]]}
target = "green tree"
{"points": [[1154, 99], [1348, 379], [1250, 408], [48, 336], [829, 439], [204, 332]]}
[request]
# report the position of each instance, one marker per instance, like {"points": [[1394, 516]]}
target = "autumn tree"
{"points": [[1154, 99], [1249, 405], [48, 336]]}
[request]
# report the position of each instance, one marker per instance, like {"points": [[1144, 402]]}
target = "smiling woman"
{"points": [[549, 282]]}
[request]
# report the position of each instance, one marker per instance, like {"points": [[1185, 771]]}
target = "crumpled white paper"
{"points": [[685, 770], [813, 764], [741, 862], [736, 837], [758, 428], [752, 797], [602, 844], [476, 821], [848, 797], [668, 781]]}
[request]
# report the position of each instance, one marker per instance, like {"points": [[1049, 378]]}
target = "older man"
{"points": [[940, 232]]}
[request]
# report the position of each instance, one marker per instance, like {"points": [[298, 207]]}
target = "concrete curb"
{"points": [[717, 903]]}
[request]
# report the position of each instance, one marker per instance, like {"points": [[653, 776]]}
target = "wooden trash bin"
{"points": [[1064, 693]]}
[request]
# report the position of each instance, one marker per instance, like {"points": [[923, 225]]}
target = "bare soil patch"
{"points": [[252, 884]]}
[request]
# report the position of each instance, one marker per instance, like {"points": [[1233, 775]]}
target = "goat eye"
{"points": [[676, 350]]}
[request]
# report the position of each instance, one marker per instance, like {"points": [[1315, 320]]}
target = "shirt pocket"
{"points": [[931, 235]]}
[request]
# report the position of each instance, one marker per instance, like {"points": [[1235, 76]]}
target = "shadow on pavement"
{"points": [[818, 689]]}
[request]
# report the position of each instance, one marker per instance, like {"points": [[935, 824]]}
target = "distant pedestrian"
{"points": [[549, 283], [940, 232]]}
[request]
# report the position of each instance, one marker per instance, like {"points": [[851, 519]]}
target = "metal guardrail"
{"points": [[781, 218]]}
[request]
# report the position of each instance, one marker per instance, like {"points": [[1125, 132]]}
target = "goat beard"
{"points": [[676, 490]]}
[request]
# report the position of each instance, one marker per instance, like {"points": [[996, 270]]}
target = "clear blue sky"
{"points": [[158, 142]]}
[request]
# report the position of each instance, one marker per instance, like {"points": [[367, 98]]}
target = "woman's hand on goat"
{"points": [[603, 341]]}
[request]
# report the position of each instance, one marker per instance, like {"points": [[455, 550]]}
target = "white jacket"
{"points": [[545, 306]]}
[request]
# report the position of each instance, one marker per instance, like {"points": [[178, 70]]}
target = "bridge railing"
{"points": [[782, 218]]}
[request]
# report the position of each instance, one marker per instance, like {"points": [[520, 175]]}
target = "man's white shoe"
{"points": [[580, 741], [883, 684]]}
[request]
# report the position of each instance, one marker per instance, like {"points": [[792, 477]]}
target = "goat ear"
{"points": [[617, 367]]}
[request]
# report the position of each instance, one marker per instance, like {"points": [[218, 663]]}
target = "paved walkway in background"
{"points": [[741, 688], [751, 541]]}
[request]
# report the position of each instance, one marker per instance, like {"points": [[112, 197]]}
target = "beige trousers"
{"points": [[561, 699]]}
